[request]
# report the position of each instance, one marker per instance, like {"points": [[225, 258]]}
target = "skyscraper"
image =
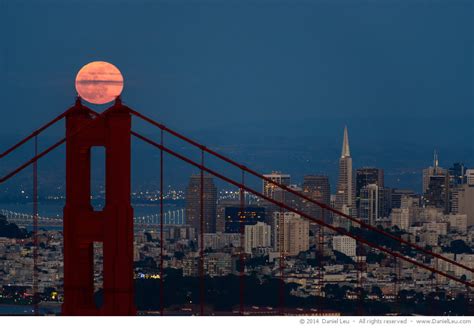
{"points": [[438, 194], [291, 233], [430, 171], [193, 203], [235, 218], [274, 192], [369, 175], [317, 188], [222, 204], [470, 177], [398, 194], [345, 194], [436, 183], [366, 176], [257, 236], [374, 203], [457, 174], [278, 177], [463, 202]]}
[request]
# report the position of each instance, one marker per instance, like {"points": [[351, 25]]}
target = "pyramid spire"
{"points": [[346, 152]]}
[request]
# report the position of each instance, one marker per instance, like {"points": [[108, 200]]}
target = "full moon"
{"points": [[99, 82]]}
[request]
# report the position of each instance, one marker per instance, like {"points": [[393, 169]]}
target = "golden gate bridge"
{"points": [[113, 226]]}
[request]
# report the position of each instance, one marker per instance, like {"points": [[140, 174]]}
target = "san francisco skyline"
{"points": [[257, 157]]}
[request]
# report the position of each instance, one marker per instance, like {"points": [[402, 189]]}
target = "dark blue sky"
{"points": [[289, 74]]}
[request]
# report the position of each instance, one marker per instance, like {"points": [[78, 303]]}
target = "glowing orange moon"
{"points": [[99, 82]]}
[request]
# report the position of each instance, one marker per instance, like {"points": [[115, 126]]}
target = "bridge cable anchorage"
{"points": [[303, 214], [299, 194], [162, 298], [242, 217], [201, 252], [50, 148], [36, 299]]}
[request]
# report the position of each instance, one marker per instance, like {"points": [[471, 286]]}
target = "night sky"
{"points": [[272, 83]]}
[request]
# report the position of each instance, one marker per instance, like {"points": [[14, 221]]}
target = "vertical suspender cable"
{"points": [[360, 294], [201, 251], [399, 279], [162, 276], [242, 217], [35, 231], [320, 252], [395, 289], [281, 240]]}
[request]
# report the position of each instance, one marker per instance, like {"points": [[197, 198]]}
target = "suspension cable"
{"points": [[33, 134], [54, 146]]}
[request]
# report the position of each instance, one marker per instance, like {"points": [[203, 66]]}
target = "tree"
{"points": [[377, 291], [343, 258], [459, 246]]}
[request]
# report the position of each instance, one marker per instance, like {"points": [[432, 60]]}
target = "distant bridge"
{"points": [[175, 217]]}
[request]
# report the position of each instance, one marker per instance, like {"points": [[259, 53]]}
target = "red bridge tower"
{"points": [[113, 226]]}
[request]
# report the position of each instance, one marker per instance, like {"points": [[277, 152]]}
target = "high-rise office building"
{"points": [[469, 177], [436, 185], [316, 187], [369, 175], [193, 203], [438, 193], [398, 194], [430, 171], [278, 177], [222, 204], [235, 218], [364, 177], [291, 233], [282, 196], [374, 203], [345, 193], [457, 174], [463, 202], [345, 185], [289, 198]]}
